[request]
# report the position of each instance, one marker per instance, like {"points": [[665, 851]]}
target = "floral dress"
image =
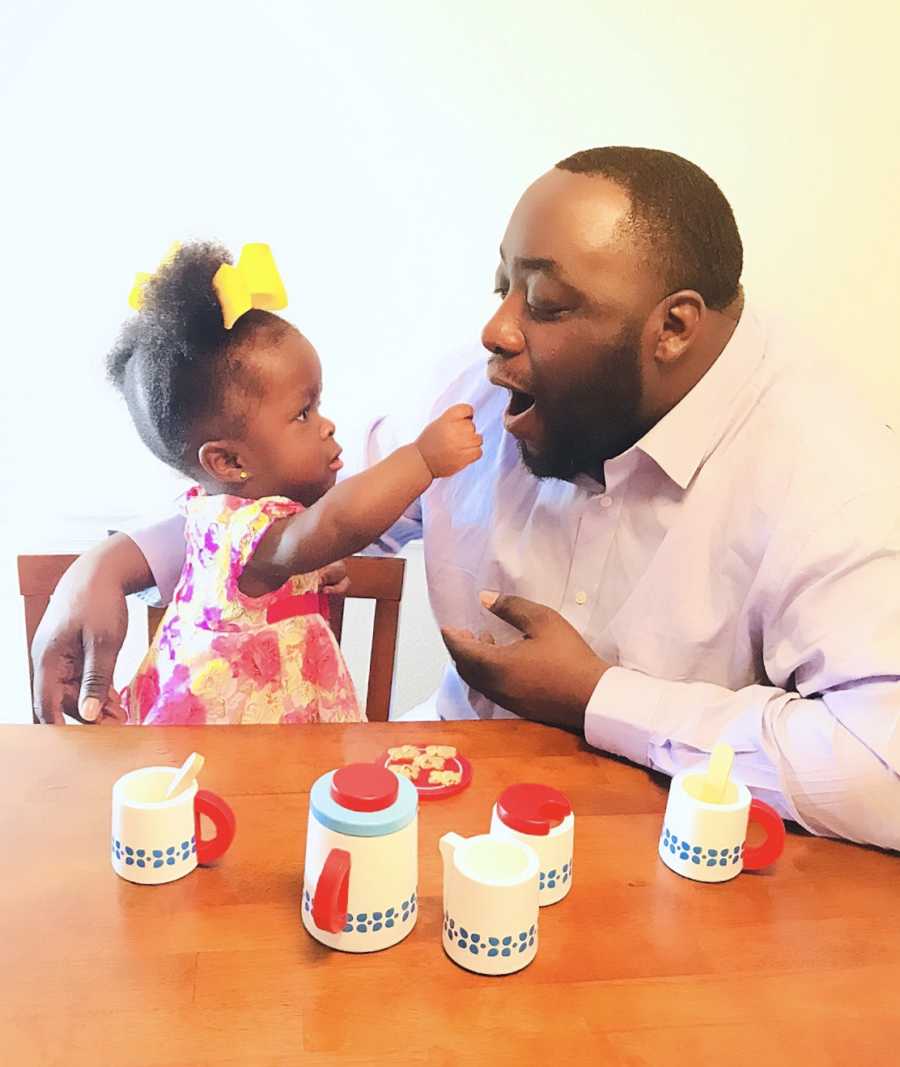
{"points": [[220, 656]]}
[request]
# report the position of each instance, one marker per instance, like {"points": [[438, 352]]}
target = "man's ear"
{"points": [[682, 316], [222, 461]]}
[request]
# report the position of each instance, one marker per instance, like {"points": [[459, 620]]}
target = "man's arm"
{"points": [[381, 440], [164, 548], [75, 647], [801, 754], [823, 746]]}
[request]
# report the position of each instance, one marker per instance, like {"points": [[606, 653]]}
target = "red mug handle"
{"points": [[762, 855], [329, 907], [215, 808]]}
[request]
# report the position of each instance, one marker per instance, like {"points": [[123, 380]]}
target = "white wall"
{"points": [[379, 147]]}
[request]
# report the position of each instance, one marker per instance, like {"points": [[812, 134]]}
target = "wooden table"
{"points": [[637, 966]]}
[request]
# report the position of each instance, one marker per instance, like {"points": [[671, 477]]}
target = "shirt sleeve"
{"points": [[381, 440], [163, 546], [822, 743]]}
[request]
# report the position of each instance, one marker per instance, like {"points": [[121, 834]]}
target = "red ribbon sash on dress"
{"points": [[288, 607]]}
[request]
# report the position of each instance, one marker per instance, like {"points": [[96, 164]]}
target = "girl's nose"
{"points": [[328, 429]]}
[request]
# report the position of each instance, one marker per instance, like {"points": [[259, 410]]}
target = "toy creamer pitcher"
{"points": [[490, 903], [361, 872]]}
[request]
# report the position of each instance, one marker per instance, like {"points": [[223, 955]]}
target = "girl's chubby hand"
{"points": [[451, 442], [112, 711]]}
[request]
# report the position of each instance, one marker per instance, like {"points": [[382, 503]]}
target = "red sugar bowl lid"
{"points": [[364, 787], [531, 808]]}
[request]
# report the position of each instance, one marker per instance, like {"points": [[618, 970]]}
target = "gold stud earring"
{"points": [[244, 476]]}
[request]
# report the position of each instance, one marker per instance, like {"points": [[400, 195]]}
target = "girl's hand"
{"points": [[334, 579], [451, 442], [112, 713]]}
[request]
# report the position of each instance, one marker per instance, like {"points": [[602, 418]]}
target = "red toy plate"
{"points": [[428, 790]]}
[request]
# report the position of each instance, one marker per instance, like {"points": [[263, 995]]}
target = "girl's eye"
{"points": [[304, 414]]}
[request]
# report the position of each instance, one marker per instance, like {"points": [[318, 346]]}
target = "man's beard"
{"points": [[595, 419]]}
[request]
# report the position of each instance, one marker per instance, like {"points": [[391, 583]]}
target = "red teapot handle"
{"points": [[329, 906]]}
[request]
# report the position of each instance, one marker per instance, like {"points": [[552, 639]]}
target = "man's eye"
{"points": [[545, 312], [501, 290]]}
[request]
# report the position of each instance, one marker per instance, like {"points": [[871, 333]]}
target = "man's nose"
{"points": [[502, 335]]}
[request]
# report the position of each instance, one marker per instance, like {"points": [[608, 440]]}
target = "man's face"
{"points": [[567, 338]]}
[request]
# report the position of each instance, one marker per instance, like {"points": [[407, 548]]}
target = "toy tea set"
{"points": [[361, 871]]}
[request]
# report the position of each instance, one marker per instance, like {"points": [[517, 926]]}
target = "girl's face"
{"points": [[288, 447]]}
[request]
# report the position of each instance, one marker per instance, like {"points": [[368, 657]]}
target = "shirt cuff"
{"points": [[622, 714]]}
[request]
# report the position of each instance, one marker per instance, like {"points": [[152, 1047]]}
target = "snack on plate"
{"points": [[406, 770], [403, 752], [444, 778], [444, 751], [427, 762], [435, 771]]}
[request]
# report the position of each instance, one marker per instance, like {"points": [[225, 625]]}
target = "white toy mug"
{"points": [[155, 840], [706, 841]]}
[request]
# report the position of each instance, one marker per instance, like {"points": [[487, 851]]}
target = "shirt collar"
{"points": [[687, 435]]}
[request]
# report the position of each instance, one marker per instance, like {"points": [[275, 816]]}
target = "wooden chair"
{"points": [[371, 578]]}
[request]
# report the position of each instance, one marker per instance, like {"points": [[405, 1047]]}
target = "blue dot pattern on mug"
{"points": [[707, 857], [365, 922], [153, 857], [549, 879], [491, 945]]}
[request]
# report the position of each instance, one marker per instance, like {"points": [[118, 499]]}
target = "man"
{"points": [[680, 532]]}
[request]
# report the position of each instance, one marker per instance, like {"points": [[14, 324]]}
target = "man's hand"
{"points": [[548, 676], [75, 648]]}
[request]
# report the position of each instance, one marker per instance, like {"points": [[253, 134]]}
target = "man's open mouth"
{"points": [[521, 418], [519, 402]]}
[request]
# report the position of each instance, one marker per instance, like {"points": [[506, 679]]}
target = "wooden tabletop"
{"points": [[637, 966]]}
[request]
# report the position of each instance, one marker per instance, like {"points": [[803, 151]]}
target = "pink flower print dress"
{"points": [[222, 657]]}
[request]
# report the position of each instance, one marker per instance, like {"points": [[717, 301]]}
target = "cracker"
{"points": [[403, 752], [405, 770], [444, 751], [429, 762], [444, 777]]}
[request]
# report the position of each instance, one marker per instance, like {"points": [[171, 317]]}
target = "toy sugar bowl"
{"points": [[361, 871], [541, 817], [706, 820]]}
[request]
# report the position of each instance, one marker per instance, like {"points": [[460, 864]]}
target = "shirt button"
{"points": [[605, 501], [581, 597]]}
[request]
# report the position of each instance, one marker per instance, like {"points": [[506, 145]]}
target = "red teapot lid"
{"points": [[531, 808], [364, 787]]}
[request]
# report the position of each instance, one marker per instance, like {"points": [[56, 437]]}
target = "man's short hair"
{"points": [[679, 212]]}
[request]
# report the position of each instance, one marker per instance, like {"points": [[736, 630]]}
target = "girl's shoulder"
{"points": [[229, 511], [233, 525]]}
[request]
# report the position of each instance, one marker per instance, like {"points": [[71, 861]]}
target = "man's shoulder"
{"points": [[811, 416]]}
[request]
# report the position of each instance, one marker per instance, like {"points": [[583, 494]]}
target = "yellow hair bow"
{"points": [[254, 282], [136, 296]]}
